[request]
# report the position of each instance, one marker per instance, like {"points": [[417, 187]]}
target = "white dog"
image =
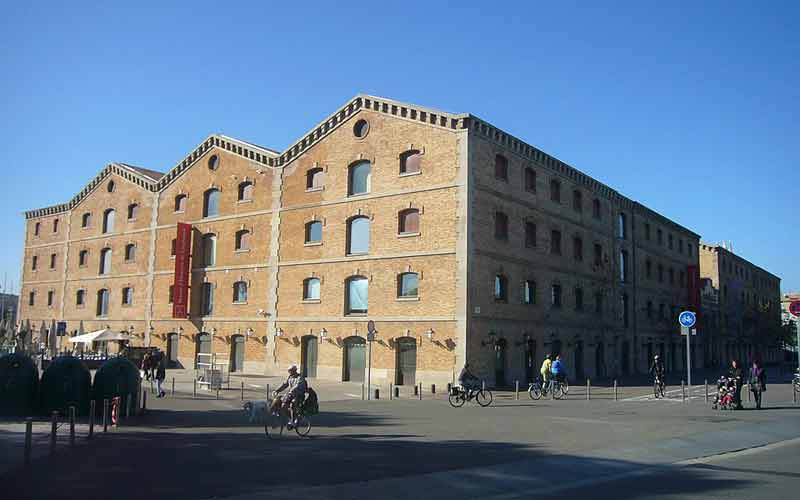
{"points": [[256, 411]]}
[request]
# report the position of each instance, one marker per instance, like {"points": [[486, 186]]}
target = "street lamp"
{"points": [[322, 334]]}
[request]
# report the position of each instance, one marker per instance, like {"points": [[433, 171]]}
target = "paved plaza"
{"points": [[188, 447]]}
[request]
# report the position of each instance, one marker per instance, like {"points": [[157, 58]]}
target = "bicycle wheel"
{"points": [[303, 426], [662, 389], [558, 391], [565, 386], [535, 392], [657, 390], [484, 397], [457, 399], [273, 426]]}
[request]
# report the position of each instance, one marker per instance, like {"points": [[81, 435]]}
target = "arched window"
{"points": [[357, 299], [500, 288], [410, 162], [408, 285], [623, 266], [555, 191], [315, 178], [500, 226], [623, 226], [358, 235], [500, 167], [530, 180], [130, 252], [133, 211], [108, 220], [242, 240], [359, 178], [105, 261], [102, 302], [80, 297], [180, 203], [36, 228], [577, 201], [246, 191], [596, 208], [209, 249], [240, 291], [207, 300], [213, 162], [86, 219], [361, 129], [55, 225], [110, 186], [311, 288], [83, 257], [408, 221], [313, 232], [211, 203]]}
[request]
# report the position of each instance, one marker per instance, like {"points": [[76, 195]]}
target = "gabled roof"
{"points": [[146, 172]]}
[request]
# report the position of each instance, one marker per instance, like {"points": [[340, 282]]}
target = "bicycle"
{"points": [[559, 388], [658, 387], [276, 422], [537, 389], [458, 396]]}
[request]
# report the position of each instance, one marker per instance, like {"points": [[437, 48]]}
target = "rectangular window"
{"points": [[31, 298], [555, 242], [577, 249], [579, 299], [530, 292], [623, 226], [623, 266], [648, 269], [555, 296], [52, 261], [647, 231], [127, 296], [598, 303], [530, 234], [34, 262], [669, 241], [50, 295], [598, 255], [208, 300]]}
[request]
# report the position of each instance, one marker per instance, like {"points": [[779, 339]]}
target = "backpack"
{"points": [[311, 403]]}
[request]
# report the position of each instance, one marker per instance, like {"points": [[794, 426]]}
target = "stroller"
{"points": [[726, 389]]}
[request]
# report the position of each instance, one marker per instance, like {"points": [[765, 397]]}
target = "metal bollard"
{"points": [[53, 431], [616, 398], [377, 394], [194, 388], [362, 393], [28, 439], [242, 390], [705, 389], [416, 390], [72, 426], [397, 392], [144, 402], [683, 391], [391, 391], [92, 410], [516, 390], [105, 415], [433, 388], [420, 391], [173, 386], [588, 390]]}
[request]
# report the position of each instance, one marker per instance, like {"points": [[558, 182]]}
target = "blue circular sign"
{"points": [[687, 319]]}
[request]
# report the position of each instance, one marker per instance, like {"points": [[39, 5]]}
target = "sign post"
{"points": [[370, 339], [687, 320], [794, 310]]}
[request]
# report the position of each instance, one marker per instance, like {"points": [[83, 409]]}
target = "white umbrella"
{"points": [[88, 338]]}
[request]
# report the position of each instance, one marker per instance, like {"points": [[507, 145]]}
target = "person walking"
{"points": [[758, 382], [161, 374], [735, 373]]}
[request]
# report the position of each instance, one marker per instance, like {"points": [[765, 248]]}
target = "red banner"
{"points": [[183, 249], [693, 287]]}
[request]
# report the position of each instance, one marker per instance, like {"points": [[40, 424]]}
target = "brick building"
{"points": [[459, 240], [743, 322]]}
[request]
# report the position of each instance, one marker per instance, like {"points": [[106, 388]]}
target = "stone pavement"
{"points": [[198, 448]]}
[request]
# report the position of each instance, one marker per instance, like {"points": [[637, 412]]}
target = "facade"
{"points": [[744, 321], [461, 243], [786, 299]]}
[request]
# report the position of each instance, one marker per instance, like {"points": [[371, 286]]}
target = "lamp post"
{"points": [[370, 338]]}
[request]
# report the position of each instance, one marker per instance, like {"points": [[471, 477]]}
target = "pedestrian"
{"points": [[161, 374], [146, 365], [735, 374], [758, 382], [544, 371]]}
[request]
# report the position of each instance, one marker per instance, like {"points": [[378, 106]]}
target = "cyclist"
{"points": [[545, 372], [468, 381], [657, 369], [557, 369], [296, 383]]}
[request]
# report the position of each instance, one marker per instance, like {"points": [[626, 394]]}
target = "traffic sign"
{"points": [[794, 307], [687, 319]]}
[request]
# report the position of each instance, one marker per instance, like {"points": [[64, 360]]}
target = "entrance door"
{"points": [[626, 357], [237, 353], [355, 359], [500, 363], [600, 359], [530, 361], [308, 356], [579, 359], [203, 347], [406, 361], [172, 350]]}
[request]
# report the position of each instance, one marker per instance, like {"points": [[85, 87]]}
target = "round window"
{"points": [[110, 186], [213, 162], [361, 128]]}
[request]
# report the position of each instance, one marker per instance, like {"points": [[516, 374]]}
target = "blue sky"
{"points": [[690, 108]]}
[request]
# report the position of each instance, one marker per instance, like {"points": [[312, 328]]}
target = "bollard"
{"points": [[144, 402], [72, 426], [377, 394], [173, 386], [28, 439], [683, 391], [194, 388], [416, 390], [397, 392], [217, 392], [705, 389], [420, 391], [516, 390], [53, 430], [362, 393], [242, 390], [588, 390], [391, 391], [483, 385], [92, 410], [794, 395], [105, 415], [433, 388], [615, 390]]}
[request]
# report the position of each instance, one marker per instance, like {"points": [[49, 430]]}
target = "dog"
{"points": [[255, 411]]}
